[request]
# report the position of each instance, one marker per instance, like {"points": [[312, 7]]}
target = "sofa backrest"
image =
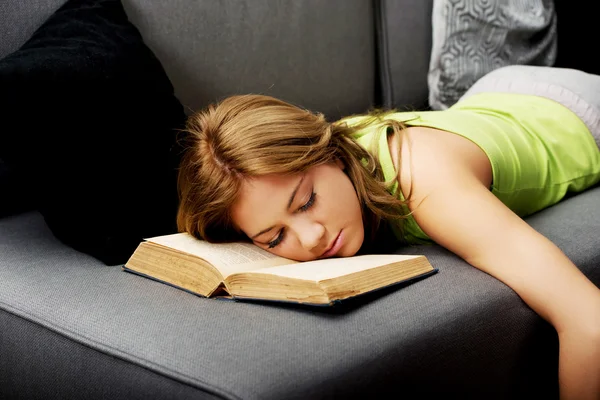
{"points": [[404, 47], [337, 56], [319, 54], [19, 19]]}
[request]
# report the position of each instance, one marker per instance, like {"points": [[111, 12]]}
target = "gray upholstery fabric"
{"points": [[459, 331], [38, 363], [474, 37], [74, 328], [310, 52], [19, 19], [404, 45]]}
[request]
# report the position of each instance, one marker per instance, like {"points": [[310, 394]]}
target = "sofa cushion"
{"points": [[474, 37], [90, 123], [460, 333]]}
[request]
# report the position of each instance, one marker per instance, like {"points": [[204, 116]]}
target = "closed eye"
{"points": [[278, 239], [311, 201]]}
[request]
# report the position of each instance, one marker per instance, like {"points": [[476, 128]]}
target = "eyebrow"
{"points": [[288, 206]]}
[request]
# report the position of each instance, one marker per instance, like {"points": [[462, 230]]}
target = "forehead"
{"points": [[262, 198], [268, 182]]}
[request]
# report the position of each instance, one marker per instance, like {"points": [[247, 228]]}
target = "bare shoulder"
{"points": [[454, 207], [427, 154]]}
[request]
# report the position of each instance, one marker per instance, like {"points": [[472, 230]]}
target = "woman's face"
{"points": [[306, 216]]}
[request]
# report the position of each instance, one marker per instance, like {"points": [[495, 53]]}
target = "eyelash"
{"points": [[305, 207]]}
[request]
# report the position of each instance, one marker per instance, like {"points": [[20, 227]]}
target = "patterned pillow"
{"points": [[474, 37]]}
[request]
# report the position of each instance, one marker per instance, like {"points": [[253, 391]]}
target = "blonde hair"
{"points": [[246, 136]]}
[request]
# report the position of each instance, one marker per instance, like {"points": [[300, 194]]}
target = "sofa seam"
{"points": [[120, 354], [387, 91]]}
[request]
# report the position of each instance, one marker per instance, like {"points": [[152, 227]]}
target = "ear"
{"points": [[340, 164]]}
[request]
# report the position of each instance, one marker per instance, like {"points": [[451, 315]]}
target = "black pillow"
{"points": [[90, 122], [13, 197]]}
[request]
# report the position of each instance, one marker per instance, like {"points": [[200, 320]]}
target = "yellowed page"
{"points": [[228, 258], [320, 270]]}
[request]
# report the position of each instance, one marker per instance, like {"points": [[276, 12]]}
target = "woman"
{"points": [[257, 168]]}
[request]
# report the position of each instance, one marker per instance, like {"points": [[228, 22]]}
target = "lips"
{"points": [[334, 248]]}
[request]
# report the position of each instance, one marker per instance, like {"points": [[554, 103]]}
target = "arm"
{"points": [[457, 211], [476, 226]]}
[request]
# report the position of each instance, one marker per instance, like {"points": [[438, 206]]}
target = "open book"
{"points": [[245, 271]]}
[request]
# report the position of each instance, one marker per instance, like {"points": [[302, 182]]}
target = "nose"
{"points": [[310, 233]]}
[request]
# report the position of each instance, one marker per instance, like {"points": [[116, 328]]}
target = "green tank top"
{"points": [[538, 149]]}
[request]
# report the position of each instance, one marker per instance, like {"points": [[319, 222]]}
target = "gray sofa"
{"points": [[72, 327]]}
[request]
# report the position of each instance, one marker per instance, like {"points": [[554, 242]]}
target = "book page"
{"points": [[320, 270], [226, 257]]}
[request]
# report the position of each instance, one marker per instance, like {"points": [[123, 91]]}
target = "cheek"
{"points": [[278, 251], [292, 249], [348, 202]]}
